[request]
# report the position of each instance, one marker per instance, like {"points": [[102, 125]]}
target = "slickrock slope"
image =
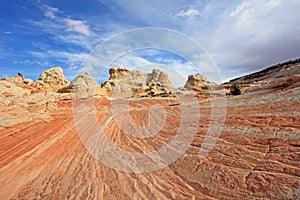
{"points": [[127, 83], [277, 77], [256, 157]]}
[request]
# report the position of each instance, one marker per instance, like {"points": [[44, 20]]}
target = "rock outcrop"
{"points": [[281, 76], [52, 80], [85, 86], [134, 83], [20, 102], [198, 82]]}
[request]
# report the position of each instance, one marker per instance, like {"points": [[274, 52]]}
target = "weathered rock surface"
{"points": [[85, 86], [52, 80], [257, 156], [278, 77], [198, 82], [126, 83], [20, 102]]}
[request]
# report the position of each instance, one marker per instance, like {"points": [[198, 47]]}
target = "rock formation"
{"points": [[198, 82], [85, 86], [20, 102], [127, 83], [52, 80]]}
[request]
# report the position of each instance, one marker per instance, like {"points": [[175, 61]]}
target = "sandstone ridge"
{"points": [[282, 76]]}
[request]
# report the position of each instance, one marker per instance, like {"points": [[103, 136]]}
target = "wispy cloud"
{"points": [[49, 11], [66, 29], [77, 26], [33, 62], [188, 13], [73, 61], [67, 32], [63, 56]]}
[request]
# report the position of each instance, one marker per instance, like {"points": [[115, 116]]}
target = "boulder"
{"points": [[134, 83], [198, 82], [85, 86]]}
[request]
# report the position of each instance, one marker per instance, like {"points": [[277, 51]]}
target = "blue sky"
{"points": [[240, 36]]}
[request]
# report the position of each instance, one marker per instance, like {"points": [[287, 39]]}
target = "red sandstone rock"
{"points": [[256, 157]]}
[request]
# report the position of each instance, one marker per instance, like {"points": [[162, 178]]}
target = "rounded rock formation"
{"points": [[134, 83], [85, 86], [198, 82], [53, 75], [52, 80]]}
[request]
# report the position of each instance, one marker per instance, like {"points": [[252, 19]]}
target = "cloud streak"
{"points": [[188, 13], [49, 11], [77, 26]]}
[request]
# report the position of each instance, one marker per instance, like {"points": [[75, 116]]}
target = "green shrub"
{"points": [[235, 89]]}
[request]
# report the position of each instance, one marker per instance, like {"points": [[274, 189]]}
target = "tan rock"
{"points": [[13, 88], [134, 83], [19, 79], [52, 80], [85, 86], [198, 82], [28, 81]]}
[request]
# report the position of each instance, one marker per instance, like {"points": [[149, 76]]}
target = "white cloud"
{"points": [[74, 61], [67, 31], [78, 26], [61, 55], [188, 13], [87, 42], [50, 11], [33, 63]]}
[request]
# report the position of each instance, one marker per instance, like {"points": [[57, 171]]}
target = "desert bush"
{"points": [[235, 89]]}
